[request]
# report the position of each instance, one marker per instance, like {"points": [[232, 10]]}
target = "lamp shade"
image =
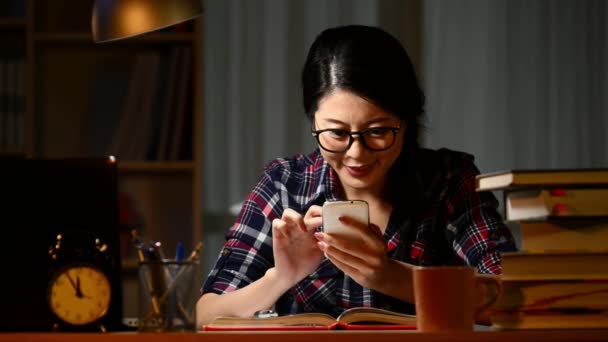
{"points": [[117, 19]]}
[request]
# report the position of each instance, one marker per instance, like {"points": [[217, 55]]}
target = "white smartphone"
{"points": [[332, 210]]}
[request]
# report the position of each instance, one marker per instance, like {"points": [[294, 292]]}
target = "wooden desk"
{"points": [[317, 336]]}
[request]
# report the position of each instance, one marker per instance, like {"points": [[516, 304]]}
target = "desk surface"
{"points": [[317, 336]]}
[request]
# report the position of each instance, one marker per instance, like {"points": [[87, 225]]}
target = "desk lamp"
{"points": [[118, 19]]}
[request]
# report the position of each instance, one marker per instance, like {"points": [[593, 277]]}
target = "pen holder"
{"points": [[168, 296]]}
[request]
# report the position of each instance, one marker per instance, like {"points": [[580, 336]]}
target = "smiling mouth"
{"points": [[358, 171]]}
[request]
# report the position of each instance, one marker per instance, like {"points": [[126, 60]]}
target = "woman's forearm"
{"points": [[244, 302]]}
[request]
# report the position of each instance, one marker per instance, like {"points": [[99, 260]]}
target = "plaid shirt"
{"points": [[474, 230]]}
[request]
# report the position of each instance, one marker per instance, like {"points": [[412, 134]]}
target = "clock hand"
{"points": [[78, 291], [74, 285]]}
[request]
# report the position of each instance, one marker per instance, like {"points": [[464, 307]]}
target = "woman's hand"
{"points": [[364, 259], [296, 254]]}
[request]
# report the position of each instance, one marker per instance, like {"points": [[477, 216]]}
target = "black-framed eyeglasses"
{"points": [[375, 139]]}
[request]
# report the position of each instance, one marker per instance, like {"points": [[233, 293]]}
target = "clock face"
{"points": [[80, 295]]}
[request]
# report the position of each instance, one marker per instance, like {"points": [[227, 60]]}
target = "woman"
{"points": [[365, 106]]}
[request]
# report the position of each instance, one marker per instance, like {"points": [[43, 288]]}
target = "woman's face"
{"points": [[359, 169]]}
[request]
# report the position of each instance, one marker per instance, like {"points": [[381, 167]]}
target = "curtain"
{"points": [[520, 84], [252, 104], [254, 52]]}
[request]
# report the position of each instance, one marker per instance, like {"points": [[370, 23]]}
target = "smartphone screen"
{"points": [[332, 210]]}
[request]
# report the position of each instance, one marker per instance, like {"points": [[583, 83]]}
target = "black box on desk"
{"points": [[40, 199]]}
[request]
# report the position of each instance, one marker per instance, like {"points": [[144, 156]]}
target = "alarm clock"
{"points": [[79, 291]]}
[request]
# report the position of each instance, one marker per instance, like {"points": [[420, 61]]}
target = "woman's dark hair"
{"points": [[372, 64], [368, 62]]}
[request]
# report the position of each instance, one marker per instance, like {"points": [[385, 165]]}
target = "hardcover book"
{"points": [[351, 319], [542, 178], [550, 320], [540, 204], [557, 265], [551, 295], [564, 234]]}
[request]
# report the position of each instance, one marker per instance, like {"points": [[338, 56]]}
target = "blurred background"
{"points": [[518, 84], [195, 111]]}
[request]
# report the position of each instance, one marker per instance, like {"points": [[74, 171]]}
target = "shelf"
{"points": [[77, 98], [86, 37], [129, 265], [156, 166], [13, 23], [12, 152]]}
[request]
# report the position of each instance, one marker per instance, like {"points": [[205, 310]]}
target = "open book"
{"points": [[355, 318]]}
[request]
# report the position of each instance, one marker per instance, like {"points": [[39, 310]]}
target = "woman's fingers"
{"points": [[370, 240], [293, 219], [359, 261], [278, 228], [345, 248], [334, 253], [343, 266], [313, 218]]}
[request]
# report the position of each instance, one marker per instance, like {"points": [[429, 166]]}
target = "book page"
{"points": [[375, 315], [288, 320]]}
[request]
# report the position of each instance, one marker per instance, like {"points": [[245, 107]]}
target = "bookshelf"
{"points": [[64, 96]]}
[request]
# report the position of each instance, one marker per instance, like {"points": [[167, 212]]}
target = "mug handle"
{"points": [[488, 281]]}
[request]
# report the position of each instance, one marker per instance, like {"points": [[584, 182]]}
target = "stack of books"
{"points": [[559, 278]]}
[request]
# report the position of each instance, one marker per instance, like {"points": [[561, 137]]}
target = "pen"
{"points": [[139, 246], [194, 254], [180, 252], [154, 270], [159, 250], [150, 285], [141, 257], [188, 263]]}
